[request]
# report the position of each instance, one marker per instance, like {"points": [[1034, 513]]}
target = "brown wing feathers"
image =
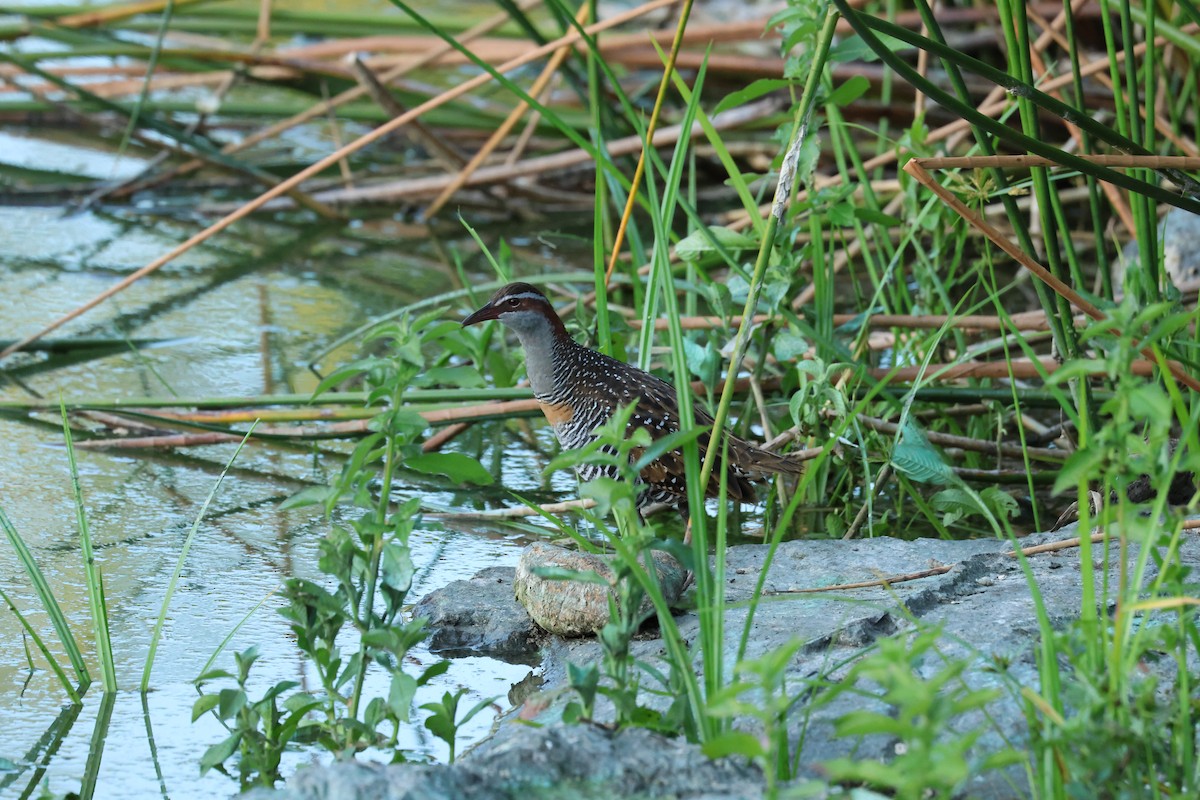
{"points": [[657, 403]]}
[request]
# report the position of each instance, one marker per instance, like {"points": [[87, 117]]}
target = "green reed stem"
{"points": [[784, 190], [50, 605], [95, 581]]}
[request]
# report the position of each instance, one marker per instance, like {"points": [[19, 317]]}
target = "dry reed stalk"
{"points": [[1017, 369], [640, 170], [87, 19], [914, 167], [522, 106], [330, 160], [411, 188], [347, 96]]}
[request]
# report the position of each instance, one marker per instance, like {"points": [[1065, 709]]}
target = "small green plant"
{"points": [[444, 721], [351, 622], [1115, 714], [759, 692], [259, 730], [926, 697]]}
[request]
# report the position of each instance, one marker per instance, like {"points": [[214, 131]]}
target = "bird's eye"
{"points": [[513, 302]]}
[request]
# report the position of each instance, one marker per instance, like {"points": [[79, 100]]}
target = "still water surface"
{"points": [[241, 316]]}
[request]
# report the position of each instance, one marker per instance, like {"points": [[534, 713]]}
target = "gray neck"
{"points": [[539, 362], [540, 344]]}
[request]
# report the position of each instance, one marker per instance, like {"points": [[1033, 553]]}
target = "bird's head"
{"points": [[521, 307]]}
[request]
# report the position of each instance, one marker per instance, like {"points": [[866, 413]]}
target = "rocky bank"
{"points": [[983, 604]]}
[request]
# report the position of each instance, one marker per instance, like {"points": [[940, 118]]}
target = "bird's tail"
{"points": [[754, 459]]}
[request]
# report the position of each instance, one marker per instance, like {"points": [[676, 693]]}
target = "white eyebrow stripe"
{"points": [[523, 296]]}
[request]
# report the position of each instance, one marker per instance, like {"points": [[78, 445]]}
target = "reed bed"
{"points": [[902, 241]]}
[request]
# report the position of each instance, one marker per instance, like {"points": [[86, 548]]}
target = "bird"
{"points": [[580, 389]]}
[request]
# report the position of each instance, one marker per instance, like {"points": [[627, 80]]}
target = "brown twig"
{"points": [[517, 511], [965, 442], [514, 116]]}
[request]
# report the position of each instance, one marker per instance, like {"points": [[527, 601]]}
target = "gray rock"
{"points": [[982, 604], [1179, 236], [582, 761], [481, 616]]}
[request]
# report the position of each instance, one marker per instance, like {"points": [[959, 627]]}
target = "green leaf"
{"points": [[789, 346], [300, 703], [918, 461], [212, 675], [754, 91], [433, 671], [230, 702], [398, 569], [573, 713], [455, 466], [863, 723], [849, 91], [877, 217], [401, 694], [1082, 466], [218, 753], [1075, 369], [735, 743], [702, 360], [204, 703], [696, 243], [956, 503], [607, 492]]}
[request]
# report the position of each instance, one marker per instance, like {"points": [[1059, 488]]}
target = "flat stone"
{"points": [[578, 608]]}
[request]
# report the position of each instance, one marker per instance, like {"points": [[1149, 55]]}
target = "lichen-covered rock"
{"points": [[576, 608]]}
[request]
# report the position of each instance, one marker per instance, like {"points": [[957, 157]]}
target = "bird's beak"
{"points": [[482, 315]]}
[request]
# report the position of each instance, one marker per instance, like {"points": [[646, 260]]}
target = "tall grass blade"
{"points": [[41, 646], [46, 595], [95, 588]]}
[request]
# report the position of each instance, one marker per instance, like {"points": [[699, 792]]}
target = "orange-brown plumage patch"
{"points": [[557, 413]]}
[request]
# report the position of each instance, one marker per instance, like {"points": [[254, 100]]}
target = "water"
{"points": [[242, 315]]}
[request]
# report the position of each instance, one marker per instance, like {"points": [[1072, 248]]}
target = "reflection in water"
{"points": [[242, 316]]}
